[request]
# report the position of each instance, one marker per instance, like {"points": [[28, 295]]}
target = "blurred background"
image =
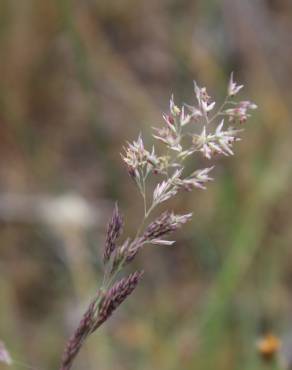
{"points": [[77, 80]]}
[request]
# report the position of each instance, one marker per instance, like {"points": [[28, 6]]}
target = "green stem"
{"points": [[219, 111], [144, 196]]}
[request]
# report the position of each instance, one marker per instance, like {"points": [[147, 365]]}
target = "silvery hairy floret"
{"points": [[220, 141], [170, 134], [169, 188], [166, 189], [168, 137], [174, 109], [196, 180], [233, 88], [134, 156], [171, 118], [185, 118], [138, 158], [165, 163], [195, 112], [240, 112], [204, 100]]}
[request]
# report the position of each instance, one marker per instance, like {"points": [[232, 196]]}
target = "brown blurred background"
{"points": [[77, 80]]}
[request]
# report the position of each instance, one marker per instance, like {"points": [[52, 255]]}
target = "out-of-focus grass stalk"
{"points": [[247, 236], [9, 325], [81, 59], [252, 221], [84, 73]]}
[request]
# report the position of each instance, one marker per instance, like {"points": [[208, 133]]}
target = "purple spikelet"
{"points": [[114, 231], [116, 295]]}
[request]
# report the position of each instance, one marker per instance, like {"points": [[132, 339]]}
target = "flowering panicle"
{"points": [[187, 130]]}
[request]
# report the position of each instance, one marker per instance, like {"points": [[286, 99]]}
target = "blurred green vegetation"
{"points": [[79, 79]]}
